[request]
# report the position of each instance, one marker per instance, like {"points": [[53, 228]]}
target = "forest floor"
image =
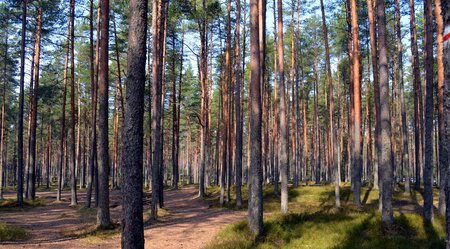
{"points": [[314, 222], [186, 222]]}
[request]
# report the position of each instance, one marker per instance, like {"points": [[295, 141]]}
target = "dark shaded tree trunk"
{"points": [[157, 81], [49, 156], [92, 183], [446, 57], [204, 146], [133, 128], [34, 100], [417, 92], [429, 111], [20, 162], [225, 111], [63, 119], [239, 121], [2, 138], [443, 155], [73, 199], [175, 135], [103, 219]]}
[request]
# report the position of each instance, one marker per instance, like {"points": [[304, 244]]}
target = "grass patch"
{"points": [[163, 213], [314, 222], [94, 234], [6, 204], [87, 212], [12, 233]]}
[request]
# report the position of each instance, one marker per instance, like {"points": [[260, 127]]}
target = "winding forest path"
{"points": [[190, 223]]}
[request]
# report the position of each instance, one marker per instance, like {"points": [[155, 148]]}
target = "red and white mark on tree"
{"points": [[446, 37]]}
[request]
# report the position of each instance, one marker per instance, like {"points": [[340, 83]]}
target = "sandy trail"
{"points": [[190, 224]]}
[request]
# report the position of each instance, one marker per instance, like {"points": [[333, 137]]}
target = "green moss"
{"points": [[314, 222], [12, 233]]}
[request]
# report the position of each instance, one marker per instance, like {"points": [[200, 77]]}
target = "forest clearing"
{"points": [[225, 124]]}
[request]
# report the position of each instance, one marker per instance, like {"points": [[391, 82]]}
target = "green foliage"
{"points": [[12, 233]]}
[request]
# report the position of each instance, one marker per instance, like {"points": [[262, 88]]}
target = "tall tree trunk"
{"points": [[385, 159], [239, 121], [255, 177], [298, 151], [29, 116], [330, 82], [163, 52], [103, 219], [404, 128], [446, 57], [225, 109], [157, 75], [350, 115], [133, 127], [315, 139], [443, 156], [32, 170], [204, 146], [21, 98], [49, 156], [264, 84], [429, 110], [2, 138], [356, 137], [63, 118], [155, 114], [276, 103], [284, 146], [179, 92], [376, 86], [417, 92], [175, 173], [294, 99], [92, 181], [73, 199], [78, 144]]}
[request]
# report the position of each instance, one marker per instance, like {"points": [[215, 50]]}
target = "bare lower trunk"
{"points": [[63, 119], [284, 145], [443, 155], [385, 159], [239, 122], [133, 129], [255, 204], [103, 219], [356, 137], [429, 111], [446, 97]]}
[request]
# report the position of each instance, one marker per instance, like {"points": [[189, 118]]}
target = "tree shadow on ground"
{"points": [[279, 230], [370, 233]]}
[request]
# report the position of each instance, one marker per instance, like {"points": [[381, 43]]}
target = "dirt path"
{"points": [[190, 223]]}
